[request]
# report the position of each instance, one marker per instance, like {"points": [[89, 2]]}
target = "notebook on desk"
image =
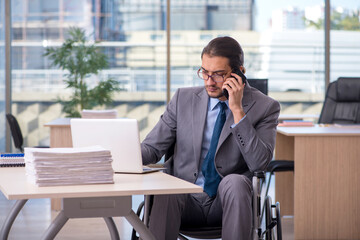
{"points": [[120, 136], [12, 160]]}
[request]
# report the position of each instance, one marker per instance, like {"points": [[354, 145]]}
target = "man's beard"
{"points": [[219, 95]]}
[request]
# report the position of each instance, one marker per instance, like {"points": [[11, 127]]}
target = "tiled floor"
{"points": [[36, 216]]}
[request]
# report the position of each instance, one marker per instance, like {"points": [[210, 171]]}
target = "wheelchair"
{"points": [[272, 226]]}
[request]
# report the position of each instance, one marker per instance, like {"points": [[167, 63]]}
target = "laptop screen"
{"points": [[120, 136]]}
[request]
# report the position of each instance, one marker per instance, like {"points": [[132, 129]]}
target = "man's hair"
{"points": [[225, 47]]}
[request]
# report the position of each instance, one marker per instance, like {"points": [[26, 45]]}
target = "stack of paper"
{"points": [[99, 114], [68, 166]]}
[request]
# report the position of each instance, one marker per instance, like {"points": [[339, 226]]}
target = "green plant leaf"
{"points": [[81, 59]]}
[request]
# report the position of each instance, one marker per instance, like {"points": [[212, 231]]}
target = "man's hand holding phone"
{"points": [[233, 89], [237, 74]]}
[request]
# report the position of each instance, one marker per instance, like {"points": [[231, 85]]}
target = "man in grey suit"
{"points": [[219, 143]]}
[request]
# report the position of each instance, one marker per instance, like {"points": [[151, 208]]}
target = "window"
{"points": [[282, 42], [132, 35]]}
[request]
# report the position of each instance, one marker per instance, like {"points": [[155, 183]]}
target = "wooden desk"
{"points": [[60, 136], [98, 200], [324, 193]]}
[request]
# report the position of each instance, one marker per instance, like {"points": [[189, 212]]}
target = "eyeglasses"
{"points": [[202, 74]]}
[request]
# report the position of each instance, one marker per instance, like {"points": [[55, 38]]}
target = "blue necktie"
{"points": [[212, 178]]}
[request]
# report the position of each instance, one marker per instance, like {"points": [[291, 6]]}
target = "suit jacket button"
{"points": [[195, 174]]}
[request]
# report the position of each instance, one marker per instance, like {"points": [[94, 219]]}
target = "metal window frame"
{"points": [[327, 44], [8, 100]]}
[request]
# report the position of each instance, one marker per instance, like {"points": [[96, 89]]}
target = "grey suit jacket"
{"points": [[246, 148]]}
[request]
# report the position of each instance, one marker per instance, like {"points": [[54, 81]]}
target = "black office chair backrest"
{"points": [[342, 102], [259, 84], [15, 131]]}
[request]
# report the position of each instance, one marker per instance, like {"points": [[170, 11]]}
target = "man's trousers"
{"points": [[231, 208]]}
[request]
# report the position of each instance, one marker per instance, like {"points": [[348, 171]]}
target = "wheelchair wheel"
{"points": [[268, 218], [278, 222]]}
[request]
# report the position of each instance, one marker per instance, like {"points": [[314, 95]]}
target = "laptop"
{"points": [[120, 136]]}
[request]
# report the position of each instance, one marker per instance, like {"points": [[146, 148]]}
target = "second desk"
{"points": [[323, 193]]}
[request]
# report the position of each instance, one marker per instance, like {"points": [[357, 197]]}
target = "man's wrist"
{"points": [[238, 116]]}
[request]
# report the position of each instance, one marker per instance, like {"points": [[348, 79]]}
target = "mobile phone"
{"points": [[243, 79]]}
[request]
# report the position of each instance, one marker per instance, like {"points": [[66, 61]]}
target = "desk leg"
{"points": [[139, 226], [112, 228], [105, 207], [19, 204], [55, 226], [56, 204]]}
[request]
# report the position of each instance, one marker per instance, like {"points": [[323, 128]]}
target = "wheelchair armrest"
{"points": [[259, 174]]}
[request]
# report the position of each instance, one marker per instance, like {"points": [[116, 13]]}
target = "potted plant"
{"points": [[81, 59]]}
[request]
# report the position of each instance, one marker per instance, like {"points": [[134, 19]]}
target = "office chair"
{"points": [[16, 133], [259, 84], [342, 102]]}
